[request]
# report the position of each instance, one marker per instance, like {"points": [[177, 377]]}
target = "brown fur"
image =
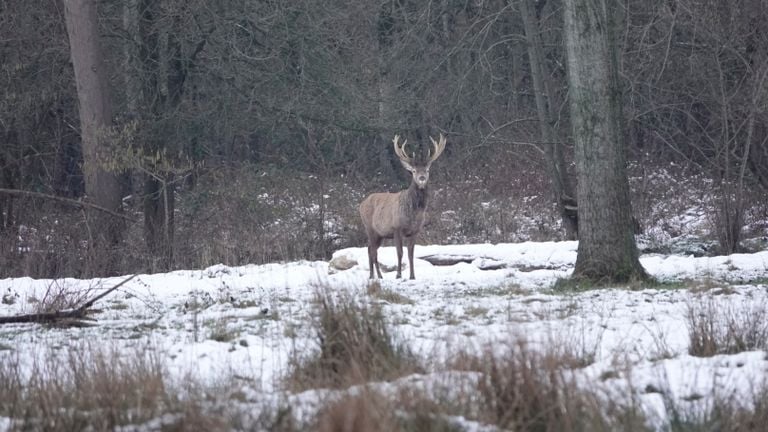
{"points": [[400, 215]]}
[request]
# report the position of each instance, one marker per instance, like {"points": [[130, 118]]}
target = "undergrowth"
{"points": [[354, 344], [519, 388], [718, 327]]}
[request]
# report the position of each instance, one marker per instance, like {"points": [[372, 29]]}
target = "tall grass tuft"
{"points": [[354, 345], [715, 328], [534, 389]]}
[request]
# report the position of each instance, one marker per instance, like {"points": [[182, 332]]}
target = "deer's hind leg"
{"points": [[374, 241]]}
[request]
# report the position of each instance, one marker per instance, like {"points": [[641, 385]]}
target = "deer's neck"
{"points": [[415, 198]]}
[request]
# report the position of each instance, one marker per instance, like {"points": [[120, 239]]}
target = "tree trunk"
{"points": [[158, 218], [6, 202], [607, 251], [162, 81], [385, 27], [101, 185], [132, 63], [558, 172]]}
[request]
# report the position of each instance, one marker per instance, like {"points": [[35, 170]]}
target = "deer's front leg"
{"points": [[411, 245], [399, 248], [371, 262]]}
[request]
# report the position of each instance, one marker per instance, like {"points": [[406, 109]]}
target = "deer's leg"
{"points": [[399, 249], [371, 257], [376, 257], [374, 242], [411, 245]]}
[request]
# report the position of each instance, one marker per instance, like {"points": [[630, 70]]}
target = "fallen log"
{"points": [[79, 313]]}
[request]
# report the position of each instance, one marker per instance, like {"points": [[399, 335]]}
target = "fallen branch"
{"points": [[78, 313]]}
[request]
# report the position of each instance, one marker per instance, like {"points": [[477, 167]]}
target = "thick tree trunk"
{"points": [[607, 251], [102, 186], [553, 146]]}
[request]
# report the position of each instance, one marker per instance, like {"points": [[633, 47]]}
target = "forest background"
{"points": [[248, 132]]}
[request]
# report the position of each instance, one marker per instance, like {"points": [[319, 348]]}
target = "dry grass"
{"points": [[101, 389], [83, 388], [526, 390], [60, 296], [386, 294], [355, 345], [531, 390], [736, 417], [715, 328], [219, 330], [720, 412], [372, 411]]}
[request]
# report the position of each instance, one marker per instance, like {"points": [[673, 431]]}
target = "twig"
{"points": [[90, 302]]}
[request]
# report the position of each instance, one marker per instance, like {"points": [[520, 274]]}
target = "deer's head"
{"points": [[420, 171]]}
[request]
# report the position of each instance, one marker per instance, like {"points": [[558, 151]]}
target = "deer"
{"points": [[399, 215]]}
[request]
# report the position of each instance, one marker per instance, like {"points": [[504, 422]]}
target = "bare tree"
{"points": [[311, 87], [101, 184], [159, 93], [546, 110], [607, 250]]}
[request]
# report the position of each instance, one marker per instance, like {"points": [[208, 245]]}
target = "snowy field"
{"points": [[465, 296]]}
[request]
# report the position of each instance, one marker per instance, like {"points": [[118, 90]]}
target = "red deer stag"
{"points": [[399, 215]]}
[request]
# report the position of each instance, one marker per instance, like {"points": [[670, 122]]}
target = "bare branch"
{"points": [[68, 201]]}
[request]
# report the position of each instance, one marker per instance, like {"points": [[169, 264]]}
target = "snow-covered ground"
{"points": [[480, 293]]}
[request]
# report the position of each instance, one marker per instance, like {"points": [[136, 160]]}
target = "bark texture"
{"points": [[607, 251], [95, 108], [553, 145]]}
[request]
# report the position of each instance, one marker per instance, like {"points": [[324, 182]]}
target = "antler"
{"points": [[400, 150], [439, 147]]}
